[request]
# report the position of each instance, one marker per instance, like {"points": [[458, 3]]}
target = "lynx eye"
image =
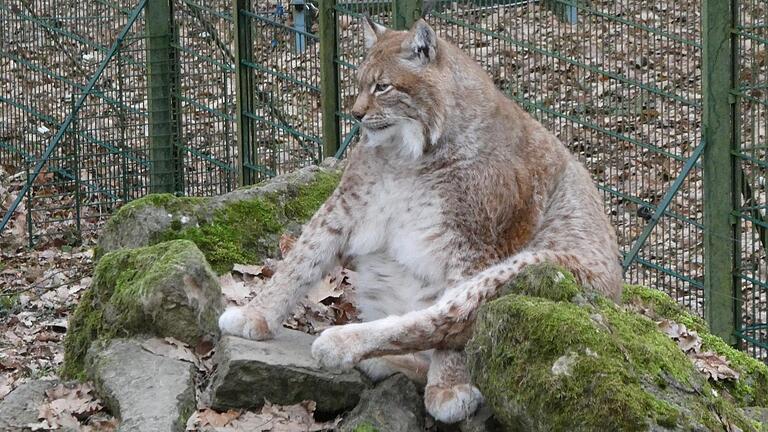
{"points": [[381, 88]]}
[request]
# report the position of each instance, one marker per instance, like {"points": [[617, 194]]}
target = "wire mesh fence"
{"points": [[619, 82], [49, 52], [751, 141], [207, 100]]}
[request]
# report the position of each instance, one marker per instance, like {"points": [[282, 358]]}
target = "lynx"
{"points": [[452, 190]]}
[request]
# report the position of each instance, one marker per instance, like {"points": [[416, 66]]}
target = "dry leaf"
{"points": [[247, 269], [715, 366], [209, 417], [234, 291], [329, 287], [172, 348], [687, 340]]}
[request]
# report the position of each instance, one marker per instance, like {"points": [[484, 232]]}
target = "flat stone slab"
{"points": [[148, 392], [21, 406], [394, 405], [281, 371]]}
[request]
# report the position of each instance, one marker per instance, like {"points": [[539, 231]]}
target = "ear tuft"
{"points": [[372, 31], [421, 43]]}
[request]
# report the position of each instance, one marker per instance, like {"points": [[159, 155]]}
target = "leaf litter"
{"points": [[711, 364]]}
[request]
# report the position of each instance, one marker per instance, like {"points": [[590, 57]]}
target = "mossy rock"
{"points": [[162, 290], [241, 227], [560, 359], [751, 389]]}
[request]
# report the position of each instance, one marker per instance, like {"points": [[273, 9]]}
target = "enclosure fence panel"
{"points": [[200, 97], [619, 82], [750, 97], [48, 53], [278, 73], [206, 96]]}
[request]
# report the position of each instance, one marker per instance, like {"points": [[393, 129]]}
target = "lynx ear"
{"points": [[372, 31], [421, 43]]}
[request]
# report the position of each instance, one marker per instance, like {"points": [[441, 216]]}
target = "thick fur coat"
{"points": [[452, 190]]}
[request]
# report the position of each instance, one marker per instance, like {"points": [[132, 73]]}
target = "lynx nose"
{"points": [[358, 115]]}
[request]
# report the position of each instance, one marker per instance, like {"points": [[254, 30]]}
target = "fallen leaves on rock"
{"points": [[714, 366], [271, 418], [73, 407], [173, 348], [330, 302], [711, 364]]}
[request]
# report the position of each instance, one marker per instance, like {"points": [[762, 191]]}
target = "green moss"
{"points": [[586, 366], [548, 281], [8, 302], [311, 196], [112, 306], [241, 232], [169, 202], [365, 427], [244, 231], [605, 362], [751, 389], [85, 326], [662, 305]]}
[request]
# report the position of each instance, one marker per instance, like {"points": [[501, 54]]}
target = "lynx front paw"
{"points": [[240, 321], [452, 404], [333, 350]]}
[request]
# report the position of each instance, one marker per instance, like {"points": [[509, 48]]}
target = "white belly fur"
{"points": [[385, 287], [400, 266]]}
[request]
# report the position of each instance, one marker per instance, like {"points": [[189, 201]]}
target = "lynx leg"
{"points": [[314, 254], [449, 395], [445, 325]]}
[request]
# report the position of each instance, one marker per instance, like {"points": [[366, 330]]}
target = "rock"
{"points": [[561, 359], [146, 391], [241, 227], [758, 414], [281, 371], [393, 405], [752, 387], [163, 290], [20, 407], [481, 421]]}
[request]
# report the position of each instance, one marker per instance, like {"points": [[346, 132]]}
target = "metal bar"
{"points": [[166, 168], [245, 89], [284, 76], [564, 58], [721, 293], [665, 201], [70, 117], [406, 12], [350, 136], [329, 77], [694, 283], [279, 25]]}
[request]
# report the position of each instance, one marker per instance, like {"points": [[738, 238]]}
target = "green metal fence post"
{"points": [[245, 91], [721, 293], [329, 77], [162, 83], [406, 12]]}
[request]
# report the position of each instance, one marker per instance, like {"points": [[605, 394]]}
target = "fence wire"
{"points": [[618, 81], [751, 94], [48, 52]]}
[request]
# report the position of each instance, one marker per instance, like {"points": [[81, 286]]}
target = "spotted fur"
{"points": [[452, 191]]}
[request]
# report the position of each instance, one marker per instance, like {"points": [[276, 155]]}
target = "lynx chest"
{"points": [[402, 221]]}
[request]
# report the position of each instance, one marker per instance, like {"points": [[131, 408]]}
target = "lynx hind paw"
{"points": [[452, 404], [239, 321], [332, 350]]}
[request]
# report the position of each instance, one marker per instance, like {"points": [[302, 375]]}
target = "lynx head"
{"points": [[400, 104]]}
